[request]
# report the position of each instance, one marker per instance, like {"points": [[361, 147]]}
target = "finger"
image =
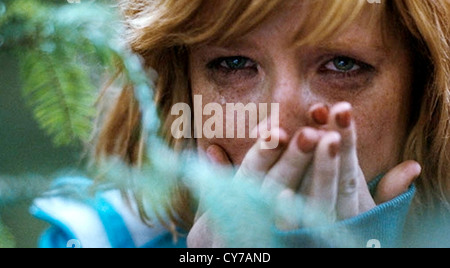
{"points": [[319, 114], [287, 211], [218, 156], [397, 181], [322, 194], [343, 123], [201, 235], [290, 168], [353, 194], [258, 160]]}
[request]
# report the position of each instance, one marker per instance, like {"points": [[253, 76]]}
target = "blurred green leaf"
{"points": [[63, 51], [60, 94], [6, 238]]}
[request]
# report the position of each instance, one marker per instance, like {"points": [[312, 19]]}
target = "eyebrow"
{"points": [[350, 44], [375, 51], [244, 43]]}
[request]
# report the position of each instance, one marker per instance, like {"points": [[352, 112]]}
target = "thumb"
{"points": [[397, 181]]}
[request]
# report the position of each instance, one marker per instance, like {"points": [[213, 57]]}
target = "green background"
{"points": [[25, 150]]}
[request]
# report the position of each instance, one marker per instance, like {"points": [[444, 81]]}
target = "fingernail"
{"points": [[320, 115], [304, 144], [278, 136], [344, 119], [334, 149]]}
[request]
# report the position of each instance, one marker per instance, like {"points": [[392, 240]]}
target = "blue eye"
{"points": [[232, 63], [342, 64], [235, 63]]}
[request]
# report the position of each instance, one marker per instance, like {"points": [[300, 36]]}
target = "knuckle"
{"points": [[348, 186]]}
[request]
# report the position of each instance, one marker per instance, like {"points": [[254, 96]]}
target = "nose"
{"points": [[291, 92]]}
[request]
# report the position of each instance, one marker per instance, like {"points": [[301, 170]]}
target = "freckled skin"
{"points": [[289, 76]]}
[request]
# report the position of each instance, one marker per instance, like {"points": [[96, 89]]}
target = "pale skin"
{"points": [[344, 110]]}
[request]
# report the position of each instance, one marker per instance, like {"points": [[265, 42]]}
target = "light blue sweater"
{"points": [[106, 221]]}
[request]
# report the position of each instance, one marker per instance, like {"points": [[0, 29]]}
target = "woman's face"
{"points": [[358, 66]]}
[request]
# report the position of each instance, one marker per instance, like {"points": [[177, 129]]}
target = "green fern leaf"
{"points": [[63, 51], [61, 95]]}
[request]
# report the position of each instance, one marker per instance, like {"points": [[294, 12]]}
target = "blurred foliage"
{"points": [[6, 239], [63, 50], [14, 189]]}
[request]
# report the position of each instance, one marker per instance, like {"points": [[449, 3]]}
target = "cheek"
{"points": [[381, 132], [235, 147], [383, 118], [235, 143]]}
